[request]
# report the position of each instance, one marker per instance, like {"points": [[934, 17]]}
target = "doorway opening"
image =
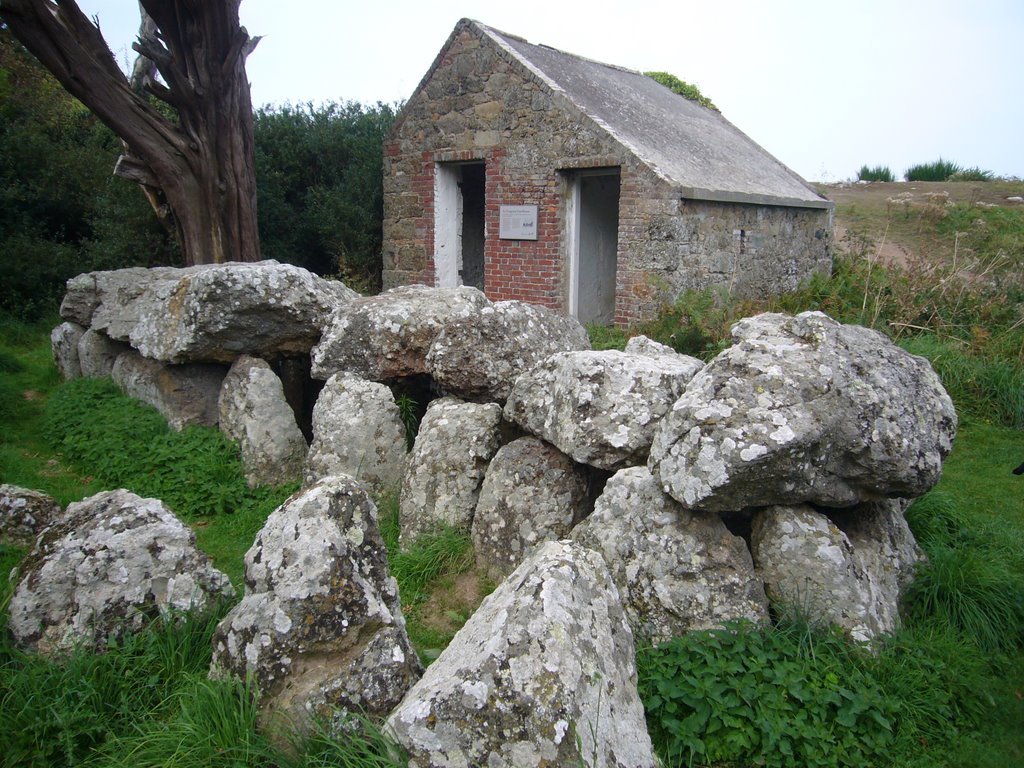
{"points": [[593, 244], [459, 224]]}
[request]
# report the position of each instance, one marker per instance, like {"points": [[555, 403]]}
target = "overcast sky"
{"points": [[825, 86]]}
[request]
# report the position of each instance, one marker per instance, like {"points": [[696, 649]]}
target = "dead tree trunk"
{"points": [[202, 164]]}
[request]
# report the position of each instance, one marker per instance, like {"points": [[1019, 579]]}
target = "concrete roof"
{"points": [[695, 149]]}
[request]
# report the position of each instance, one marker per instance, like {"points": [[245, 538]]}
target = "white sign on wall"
{"points": [[518, 222]]}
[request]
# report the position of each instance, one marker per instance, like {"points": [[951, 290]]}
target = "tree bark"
{"points": [[203, 164]]}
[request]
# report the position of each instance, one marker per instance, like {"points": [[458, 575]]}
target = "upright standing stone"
{"points": [[254, 413], [677, 570], [532, 493], [64, 344], [183, 394], [320, 628], [455, 444], [541, 674], [97, 354], [357, 431]]}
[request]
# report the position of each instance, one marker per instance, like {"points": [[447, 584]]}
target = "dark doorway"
{"points": [[595, 242], [472, 187]]}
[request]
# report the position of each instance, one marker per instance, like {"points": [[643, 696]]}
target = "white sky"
{"points": [[825, 86]]}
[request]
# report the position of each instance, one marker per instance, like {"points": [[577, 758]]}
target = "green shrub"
{"points": [[972, 174], [877, 173], [940, 170], [125, 444], [781, 697], [683, 88]]}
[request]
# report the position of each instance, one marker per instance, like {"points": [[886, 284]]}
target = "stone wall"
{"points": [[480, 104]]}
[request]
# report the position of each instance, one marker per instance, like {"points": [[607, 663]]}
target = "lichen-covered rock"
{"points": [[320, 626], [600, 408], [183, 394], [676, 570], [254, 413], [642, 345], [853, 580], [387, 337], [541, 674], [455, 443], [89, 290], [24, 513], [64, 345], [480, 355], [357, 431], [106, 566], [98, 354], [804, 409], [208, 313], [532, 493]]}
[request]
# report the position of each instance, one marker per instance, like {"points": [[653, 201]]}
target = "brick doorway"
{"points": [[459, 228], [593, 244]]}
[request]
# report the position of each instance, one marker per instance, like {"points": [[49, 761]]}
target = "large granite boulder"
{"points": [[851, 578], [320, 629], [479, 356], [600, 408], [64, 345], [455, 443], [387, 337], [24, 513], [357, 431], [120, 287], [104, 567], [183, 394], [541, 674], [208, 313], [532, 493], [254, 413], [676, 570], [805, 409], [97, 354]]}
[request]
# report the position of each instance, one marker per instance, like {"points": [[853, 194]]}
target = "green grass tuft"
{"points": [[940, 170], [877, 173]]}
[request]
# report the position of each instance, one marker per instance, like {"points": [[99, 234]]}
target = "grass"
{"points": [[940, 170], [876, 173]]}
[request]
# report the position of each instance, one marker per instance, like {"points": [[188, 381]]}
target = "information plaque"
{"points": [[518, 222]]}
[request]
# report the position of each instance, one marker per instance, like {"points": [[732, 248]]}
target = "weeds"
{"points": [[940, 170], [877, 173]]}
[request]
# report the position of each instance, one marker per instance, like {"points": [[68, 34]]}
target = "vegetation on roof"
{"points": [[683, 88]]}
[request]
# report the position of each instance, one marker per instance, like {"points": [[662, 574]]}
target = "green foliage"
{"points": [[319, 172], [606, 337], [444, 551], [62, 211], [972, 174], [58, 712], [783, 697], [940, 170], [125, 444], [996, 233], [876, 173], [683, 88], [408, 411], [972, 583]]}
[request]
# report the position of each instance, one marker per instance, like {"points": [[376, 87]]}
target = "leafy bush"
{"points": [[319, 173], [772, 698], [940, 170], [126, 444], [972, 174], [877, 173], [683, 88]]}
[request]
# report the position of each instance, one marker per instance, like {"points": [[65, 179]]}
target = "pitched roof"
{"points": [[695, 149]]}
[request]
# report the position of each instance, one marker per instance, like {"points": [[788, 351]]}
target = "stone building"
{"points": [[584, 187]]}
